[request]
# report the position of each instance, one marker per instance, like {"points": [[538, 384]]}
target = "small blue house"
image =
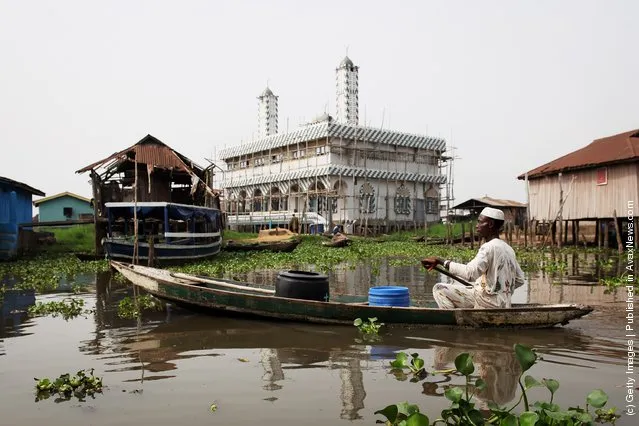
{"points": [[63, 206], [15, 208]]}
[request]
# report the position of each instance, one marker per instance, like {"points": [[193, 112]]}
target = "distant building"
{"points": [[148, 171], [333, 171], [514, 211], [15, 208], [63, 206], [597, 182]]}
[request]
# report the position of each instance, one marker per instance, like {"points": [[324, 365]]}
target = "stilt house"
{"points": [[597, 183]]}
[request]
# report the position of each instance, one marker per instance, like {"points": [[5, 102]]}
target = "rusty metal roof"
{"points": [[619, 148], [149, 150], [475, 203]]}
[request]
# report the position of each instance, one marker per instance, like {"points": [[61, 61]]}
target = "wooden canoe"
{"points": [[281, 246], [337, 243], [215, 295]]}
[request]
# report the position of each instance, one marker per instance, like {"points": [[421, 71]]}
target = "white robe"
{"points": [[496, 273]]}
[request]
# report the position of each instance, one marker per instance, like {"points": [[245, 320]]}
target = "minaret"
{"points": [[347, 92], [267, 114]]}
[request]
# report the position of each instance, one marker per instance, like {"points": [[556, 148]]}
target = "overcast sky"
{"points": [[511, 84]]}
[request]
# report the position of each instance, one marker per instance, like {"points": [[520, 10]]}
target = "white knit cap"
{"points": [[492, 213]]}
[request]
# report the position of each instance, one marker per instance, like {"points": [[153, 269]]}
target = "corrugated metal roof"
{"points": [[21, 185], [334, 171], [612, 149], [336, 130], [149, 150], [488, 201]]}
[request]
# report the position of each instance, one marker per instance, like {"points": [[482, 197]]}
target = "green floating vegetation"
{"points": [[370, 326], [43, 273], [131, 308], [68, 308], [462, 409], [83, 384], [413, 363], [323, 259]]}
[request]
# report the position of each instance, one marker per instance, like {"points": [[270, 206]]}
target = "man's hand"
{"points": [[430, 262]]}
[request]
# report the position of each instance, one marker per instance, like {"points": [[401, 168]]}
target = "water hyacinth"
{"points": [[43, 273]]}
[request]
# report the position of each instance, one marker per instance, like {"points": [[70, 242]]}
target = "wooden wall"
{"points": [[586, 200]]}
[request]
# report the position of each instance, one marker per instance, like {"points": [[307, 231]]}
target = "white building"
{"points": [[334, 171], [347, 92], [267, 114]]}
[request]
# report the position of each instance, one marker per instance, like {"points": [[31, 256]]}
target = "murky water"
{"points": [[170, 368]]}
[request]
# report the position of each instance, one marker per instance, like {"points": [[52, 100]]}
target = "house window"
{"points": [[259, 161], [276, 158], [320, 150], [244, 164], [67, 212], [602, 176], [299, 153]]}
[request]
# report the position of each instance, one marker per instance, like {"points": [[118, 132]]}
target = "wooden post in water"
{"points": [[151, 259], [619, 242], [606, 239], [597, 233], [136, 254], [565, 232], [560, 218], [97, 196], [574, 233]]}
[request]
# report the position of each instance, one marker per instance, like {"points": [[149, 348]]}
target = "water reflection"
{"points": [[499, 370], [169, 350]]}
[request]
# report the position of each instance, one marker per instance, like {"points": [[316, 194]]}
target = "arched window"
{"points": [[367, 198], [402, 201]]}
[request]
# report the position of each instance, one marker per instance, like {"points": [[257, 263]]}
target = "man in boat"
{"points": [[494, 270]]}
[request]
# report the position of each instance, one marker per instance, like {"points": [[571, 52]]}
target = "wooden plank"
{"points": [[221, 283]]}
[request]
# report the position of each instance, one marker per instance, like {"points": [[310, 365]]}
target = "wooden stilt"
{"points": [[565, 233], [472, 234], [618, 233], [575, 234], [463, 233], [510, 233], [606, 233], [597, 234]]}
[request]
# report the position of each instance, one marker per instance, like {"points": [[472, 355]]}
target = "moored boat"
{"points": [[276, 239], [216, 295], [276, 246], [167, 231]]}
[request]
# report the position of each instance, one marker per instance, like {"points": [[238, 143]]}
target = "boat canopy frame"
{"points": [[164, 211]]}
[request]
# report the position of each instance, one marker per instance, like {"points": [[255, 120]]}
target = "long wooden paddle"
{"points": [[453, 276]]}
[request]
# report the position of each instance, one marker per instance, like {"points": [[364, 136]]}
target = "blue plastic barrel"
{"points": [[388, 296]]}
